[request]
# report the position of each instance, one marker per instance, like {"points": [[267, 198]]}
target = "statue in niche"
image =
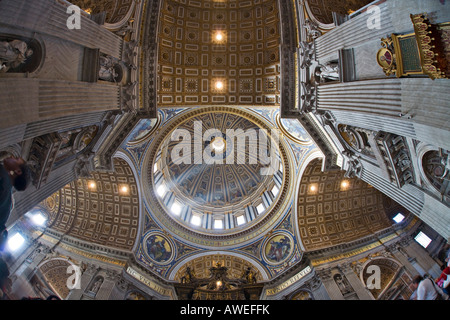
{"points": [[308, 97], [96, 286], [312, 29], [249, 276], [327, 72], [13, 54], [343, 284], [109, 70], [188, 277]]}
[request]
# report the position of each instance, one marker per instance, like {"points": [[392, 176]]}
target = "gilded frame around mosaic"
{"points": [[278, 248], [158, 248]]}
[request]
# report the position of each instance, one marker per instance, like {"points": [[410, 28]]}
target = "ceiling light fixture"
{"points": [[219, 85], [344, 184], [219, 36]]}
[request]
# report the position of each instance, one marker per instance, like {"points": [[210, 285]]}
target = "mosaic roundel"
{"points": [[294, 130], [142, 130], [158, 248], [278, 248]]}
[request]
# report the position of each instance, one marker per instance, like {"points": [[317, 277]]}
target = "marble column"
{"points": [[330, 285], [31, 100], [50, 18], [353, 33], [355, 282], [26, 200]]}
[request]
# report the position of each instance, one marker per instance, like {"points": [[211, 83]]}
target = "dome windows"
{"points": [[161, 190], [240, 220], [218, 224], [196, 220], [260, 208], [176, 208]]}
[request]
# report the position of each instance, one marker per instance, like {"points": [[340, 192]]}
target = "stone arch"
{"points": [[53, 275], [393, 283], [434, 166], [207, 259], [301, 294]]}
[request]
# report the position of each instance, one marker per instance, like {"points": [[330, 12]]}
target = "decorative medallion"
{"points": [[143, 130], [278, 248], [293, 129], [158, 248]]}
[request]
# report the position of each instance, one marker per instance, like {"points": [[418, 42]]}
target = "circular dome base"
{"points": [[210, 187]]}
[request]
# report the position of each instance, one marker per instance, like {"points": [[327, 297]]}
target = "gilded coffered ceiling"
{"points": [[219, 52], [333, 209], [103, 209]]}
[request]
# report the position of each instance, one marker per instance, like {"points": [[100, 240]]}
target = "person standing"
{"points": [[14, 173], [425, 289]]}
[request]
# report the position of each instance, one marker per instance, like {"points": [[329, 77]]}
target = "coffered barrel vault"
{"points": [[244, 60]]}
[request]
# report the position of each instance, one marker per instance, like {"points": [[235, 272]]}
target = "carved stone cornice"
{"points": [[120, 130], [345, 267], [314, 283], [149, 58], [322, 141], [324, 274], [287, 57]]}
